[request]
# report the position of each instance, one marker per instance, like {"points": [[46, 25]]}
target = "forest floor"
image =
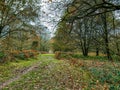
{"points": [[48, 73]]}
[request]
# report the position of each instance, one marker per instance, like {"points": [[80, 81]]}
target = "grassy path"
{"points": [[47, 73], [12, 71], [17, 77], [50, 74]]}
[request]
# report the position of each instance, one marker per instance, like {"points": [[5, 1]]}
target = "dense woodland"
{"points": [[20, 29], [90, 26], [59, 44], [86, 26]]}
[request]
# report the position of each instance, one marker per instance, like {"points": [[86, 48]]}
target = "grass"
{"points": [[51, 74], [11, 69], [54, 74], [79, 56], [92, 56]]}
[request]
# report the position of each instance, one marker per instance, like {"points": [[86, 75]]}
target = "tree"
{"points": [[79, 9], [62, 39], [106, 36], [82, 34], [115, 37], [17, 14]]}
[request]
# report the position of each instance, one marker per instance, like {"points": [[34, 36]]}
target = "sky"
{"points": [[51, 13], [117, 13]]}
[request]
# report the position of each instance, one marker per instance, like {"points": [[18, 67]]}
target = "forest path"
{"points": [[21, 73], [53, 74], [49, 74]]}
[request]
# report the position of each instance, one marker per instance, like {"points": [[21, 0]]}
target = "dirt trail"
{"points": [[23, 72]]}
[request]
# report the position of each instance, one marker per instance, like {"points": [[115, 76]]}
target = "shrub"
{"points": [[24, 54], [5, 56], [20, 56], [2, 56], [63, 55], [57, 54]]}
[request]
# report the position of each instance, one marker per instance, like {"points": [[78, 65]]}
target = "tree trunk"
{"points": [[97, 51], [84, 51], [118, 50], [106, 38], [107, 49], [1, 28]]}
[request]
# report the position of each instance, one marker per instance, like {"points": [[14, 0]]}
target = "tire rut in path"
{"points": [[25, 71]]}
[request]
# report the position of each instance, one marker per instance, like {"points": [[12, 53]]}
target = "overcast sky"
{"points": [[51, 12]]}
